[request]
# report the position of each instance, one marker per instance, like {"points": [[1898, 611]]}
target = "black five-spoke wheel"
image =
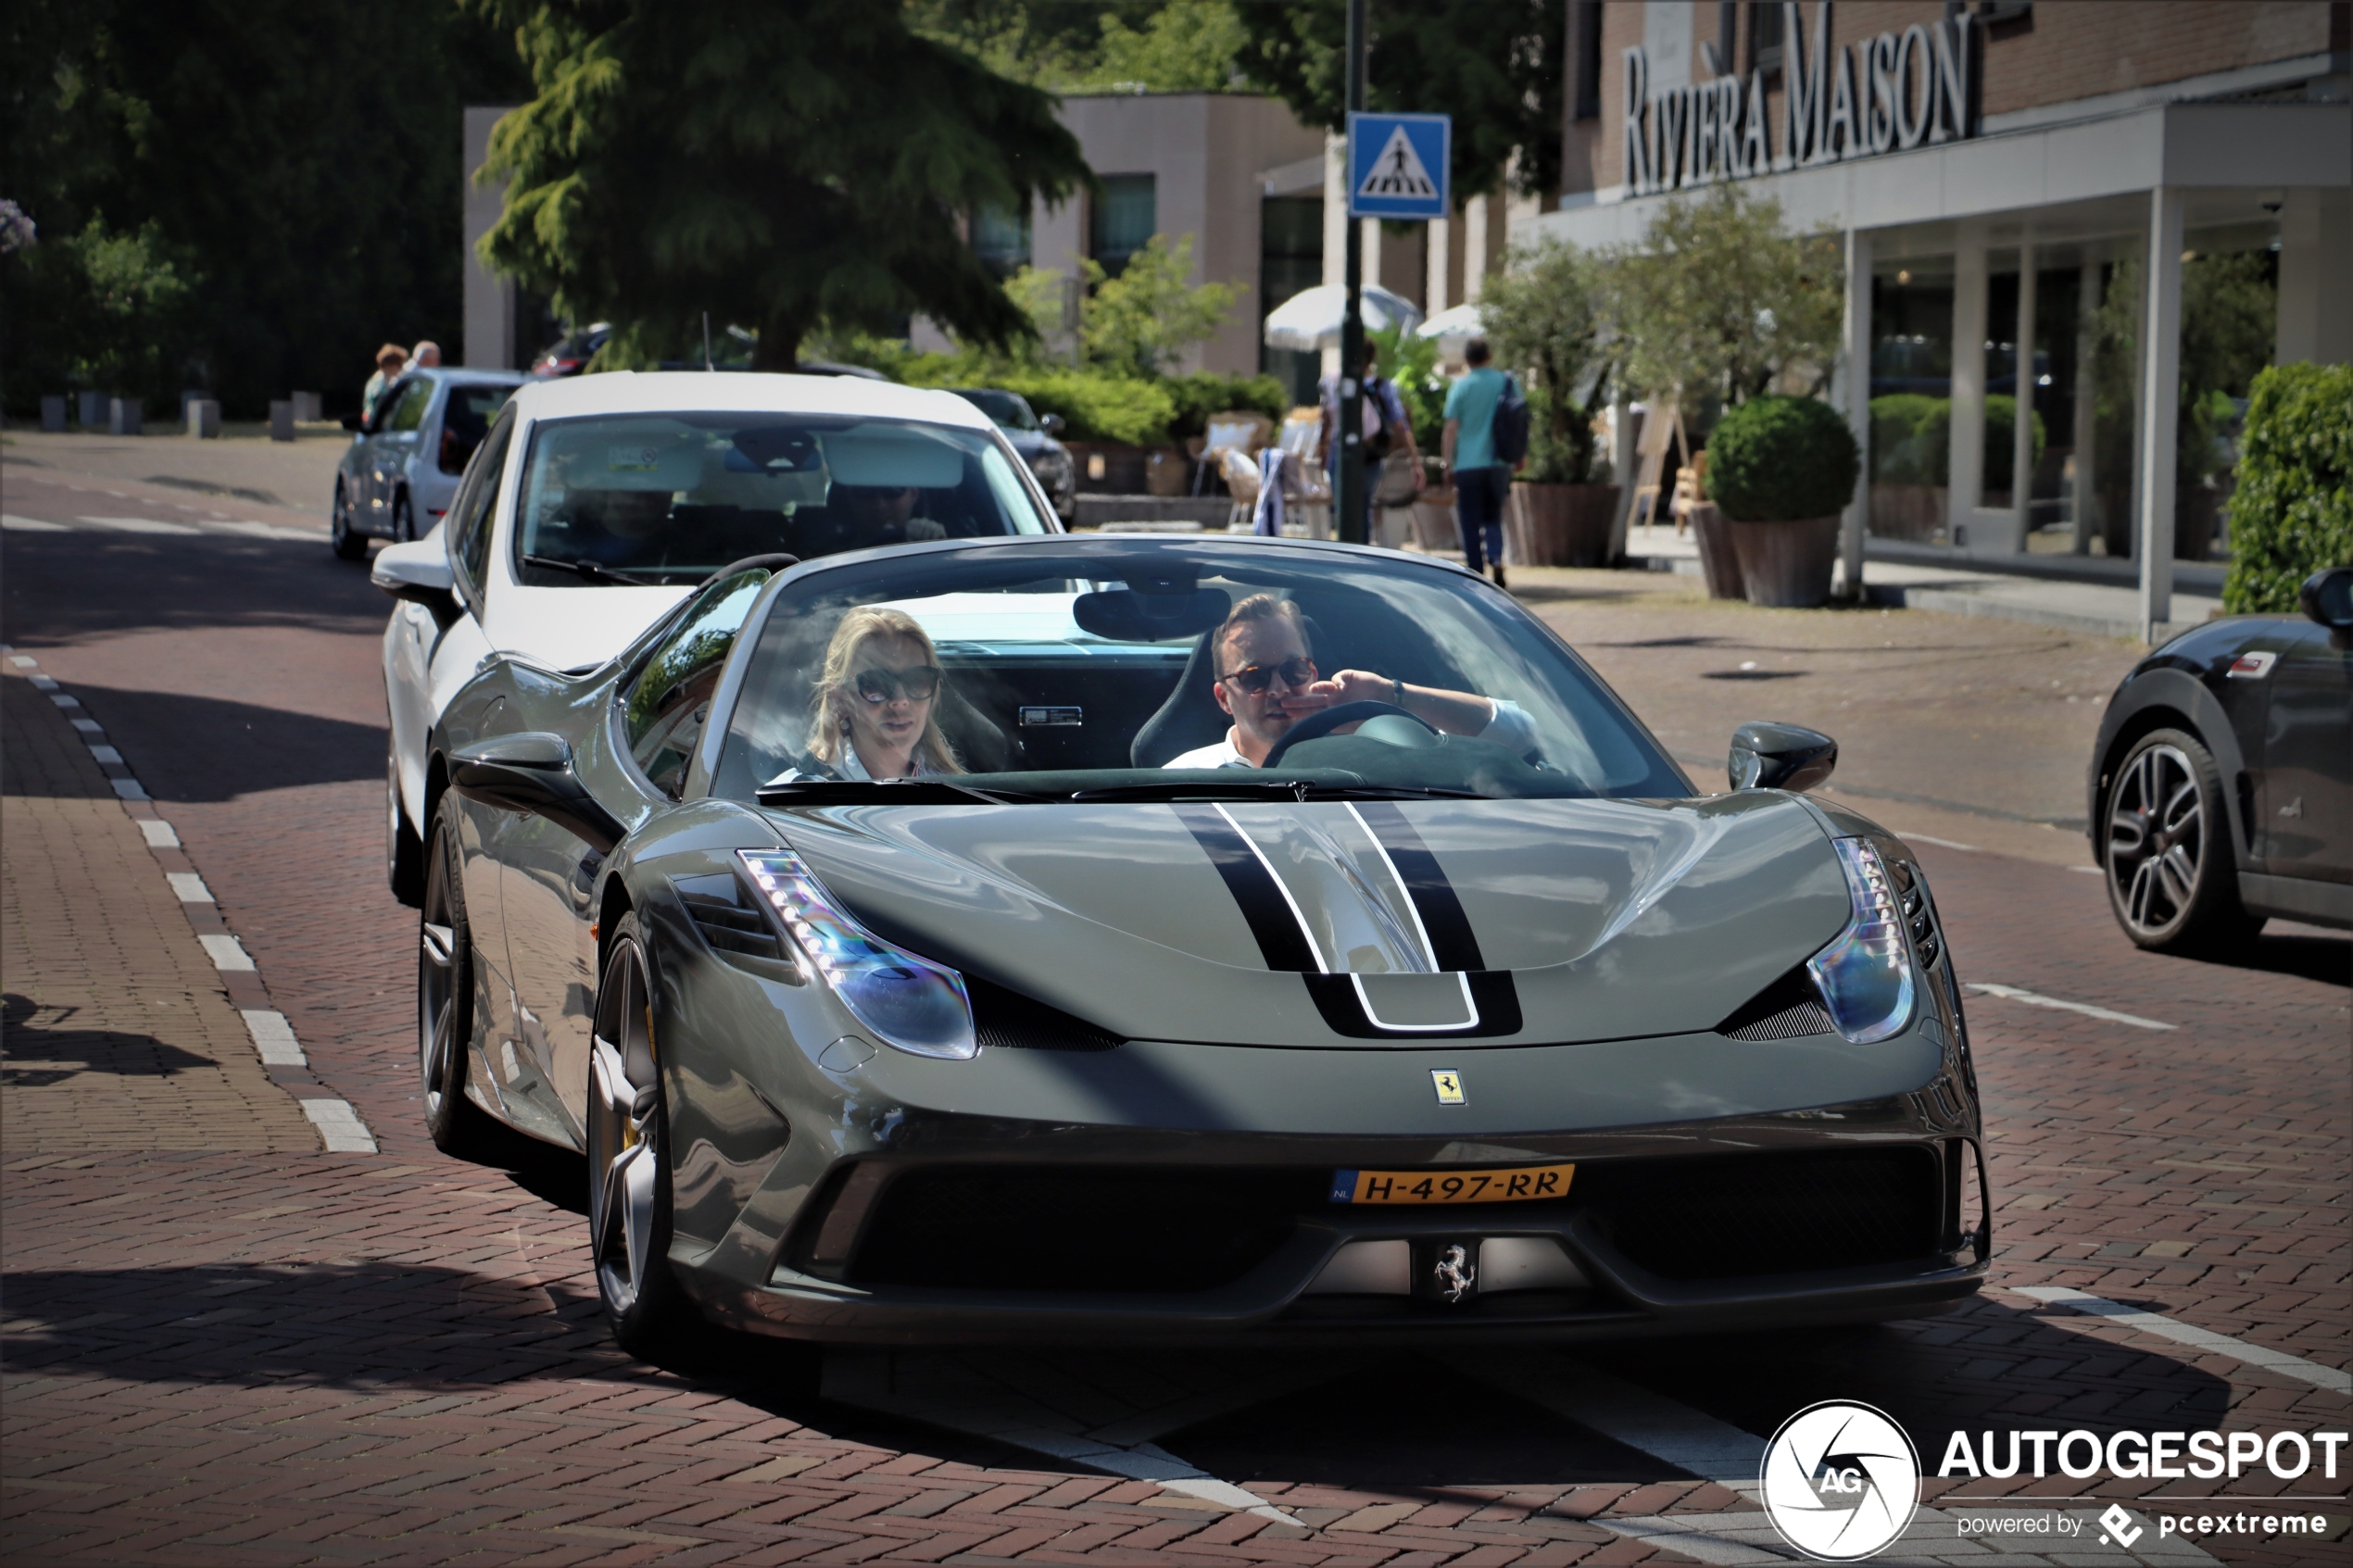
{"points": [[446, 996], [628, 1166], [2166, 844], [347, 542]]}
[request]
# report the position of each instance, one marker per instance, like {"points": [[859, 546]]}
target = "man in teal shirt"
{"points": [[1480, 481]]}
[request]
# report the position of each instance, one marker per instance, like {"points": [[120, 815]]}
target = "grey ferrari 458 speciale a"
{"points": [[1148, 937]]}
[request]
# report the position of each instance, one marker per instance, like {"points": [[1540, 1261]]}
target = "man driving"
{"points": [[1268, 681]]}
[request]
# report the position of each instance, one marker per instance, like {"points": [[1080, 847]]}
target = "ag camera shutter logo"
{"points": [[1842, 1481]]}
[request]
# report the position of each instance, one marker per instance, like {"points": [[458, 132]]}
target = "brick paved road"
{"points": [[218, 1354]]}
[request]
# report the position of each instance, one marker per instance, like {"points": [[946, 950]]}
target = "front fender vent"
{"points": [[725, 919], [1005, 1020], [1787, 1010]]}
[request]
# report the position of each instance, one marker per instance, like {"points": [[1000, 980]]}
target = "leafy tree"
{"points": [[1494, 65], [1138, 323], [773, 166], [1720, 300], [294, 167], [1159, 45], [1545, 316]]}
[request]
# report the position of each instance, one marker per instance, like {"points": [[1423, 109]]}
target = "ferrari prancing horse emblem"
{"points": [[1449, 1085]]}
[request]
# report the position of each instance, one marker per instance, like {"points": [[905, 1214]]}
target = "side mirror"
{"points": [[2326, 598], [1770, 756], [1052, 424], [418, 572], [530, 771]]}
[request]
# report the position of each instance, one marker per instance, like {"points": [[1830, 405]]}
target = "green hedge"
{"points": [[1099, 406], [1911, 436], [1780, 460], [2292, 514]]}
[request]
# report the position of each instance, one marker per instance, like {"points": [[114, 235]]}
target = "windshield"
{"points": [[1010, 409], [1157, 670], [671, 497]]}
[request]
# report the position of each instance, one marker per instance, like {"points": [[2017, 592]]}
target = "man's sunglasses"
{"points": [[919, 684], [1255, 678]]}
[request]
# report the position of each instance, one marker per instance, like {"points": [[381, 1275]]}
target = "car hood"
{"points": [[574, 628], [1614, 918]]}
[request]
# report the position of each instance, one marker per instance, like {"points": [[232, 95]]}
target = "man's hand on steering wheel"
{"points": [[1347, 686]]}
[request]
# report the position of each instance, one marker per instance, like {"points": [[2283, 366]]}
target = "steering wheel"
{"points": [[1316, 726]]}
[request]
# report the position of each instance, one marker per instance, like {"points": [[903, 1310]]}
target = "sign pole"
{"points": [[1348, 485]]}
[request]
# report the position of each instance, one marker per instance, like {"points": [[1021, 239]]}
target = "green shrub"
{"points": [[1200, 396], [1911, 436], [1094, 406], [1778, 460], [2292, 514]]}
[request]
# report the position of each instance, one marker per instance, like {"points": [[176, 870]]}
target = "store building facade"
{"points": [[2073, 230]]}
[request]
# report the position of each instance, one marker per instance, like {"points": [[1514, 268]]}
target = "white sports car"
{"points": [[587, 512]]}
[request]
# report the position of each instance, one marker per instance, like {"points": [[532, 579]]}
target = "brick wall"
{"points": [[2066, 49]]}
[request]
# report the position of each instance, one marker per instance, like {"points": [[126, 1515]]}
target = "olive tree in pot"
{"points": [[1544, 319], [1780, 470]]}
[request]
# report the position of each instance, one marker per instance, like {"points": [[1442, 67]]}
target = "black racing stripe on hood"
{"points": [[1451, 941], [1280, 940]]}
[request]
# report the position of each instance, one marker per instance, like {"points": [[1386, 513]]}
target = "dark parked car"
{"points": [[2221, 787], [1033, 436]]}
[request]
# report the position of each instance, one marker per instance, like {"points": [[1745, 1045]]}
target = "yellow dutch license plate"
{"points": [[1517, 1184]]}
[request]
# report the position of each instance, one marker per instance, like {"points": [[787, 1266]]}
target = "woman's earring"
{"points": [[845, 726]]}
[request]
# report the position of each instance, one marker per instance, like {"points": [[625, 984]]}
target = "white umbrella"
{"points": [[1463, 320], [1310, 319]]}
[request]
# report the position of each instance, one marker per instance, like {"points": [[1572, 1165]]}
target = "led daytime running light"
{"points": [[1865, 976], [907, 1002]]}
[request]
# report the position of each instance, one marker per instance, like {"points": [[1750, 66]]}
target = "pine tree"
{"points": [[775, 166]]}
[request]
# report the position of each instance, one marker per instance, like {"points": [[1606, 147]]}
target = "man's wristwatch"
{"points": [[1400, 686]]}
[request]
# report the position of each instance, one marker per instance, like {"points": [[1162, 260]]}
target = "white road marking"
{"points": [[24, 661], [251, 529], [106, 754], [129, 789], [1080, 1408], [159, 834], [56, 696], [89, 726], [142, 525], [2037, 999], [273, 1037], [46, 683], [1666, 1429], [225, 952], [16, 524], [1947, 843], [189, 888], [2334, 1379], [339, 1126], [2087, 871]]}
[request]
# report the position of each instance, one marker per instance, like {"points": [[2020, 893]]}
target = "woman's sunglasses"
{"points": [[918, 684], [1255, 678]]}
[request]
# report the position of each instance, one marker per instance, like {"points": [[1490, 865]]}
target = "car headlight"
{"points": [[1050, 466], [1866, 977], [908, 1002]]}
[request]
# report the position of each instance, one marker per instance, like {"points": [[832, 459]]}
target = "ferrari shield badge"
{"points": [[1449, 1085]]}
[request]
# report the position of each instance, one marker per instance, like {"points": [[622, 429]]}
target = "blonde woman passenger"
{"points": [[875, 713]]}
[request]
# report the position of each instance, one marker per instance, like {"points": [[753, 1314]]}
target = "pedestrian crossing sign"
{"points": [[1397, 165]]}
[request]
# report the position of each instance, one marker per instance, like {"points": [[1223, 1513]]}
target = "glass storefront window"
{"points": [[1911, 398]]}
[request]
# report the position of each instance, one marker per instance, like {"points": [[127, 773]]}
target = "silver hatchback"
{"points": [[403, 466]]}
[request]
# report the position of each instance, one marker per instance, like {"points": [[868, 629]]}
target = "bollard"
{"points": [[93, 410], [204, 419], [282, 419], [53, 414], [189, 395], [305, 408], [122, 416]]}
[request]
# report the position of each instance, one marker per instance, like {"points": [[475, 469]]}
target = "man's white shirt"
{"points": [[1511, 726]]}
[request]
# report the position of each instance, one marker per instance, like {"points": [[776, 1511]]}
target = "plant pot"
{"points": [[1719, 561], [1787, 564], [1565, 524], [1909, 511], [1434, 528], [1166, 471]]}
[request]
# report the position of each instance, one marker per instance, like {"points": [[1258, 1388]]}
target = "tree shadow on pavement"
{"points": [[203, 748], [177, 582]]}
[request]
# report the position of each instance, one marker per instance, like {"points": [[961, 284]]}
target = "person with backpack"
{"points": [[1385, 429], [1486, 439]]}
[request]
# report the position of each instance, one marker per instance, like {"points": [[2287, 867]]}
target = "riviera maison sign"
{"points": [[1894, 91]]}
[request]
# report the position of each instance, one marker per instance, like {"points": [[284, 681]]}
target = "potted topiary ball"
{"points": [[1780, 470]]}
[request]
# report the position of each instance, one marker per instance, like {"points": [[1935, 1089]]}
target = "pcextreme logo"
{"points": [[1842, 1481]]}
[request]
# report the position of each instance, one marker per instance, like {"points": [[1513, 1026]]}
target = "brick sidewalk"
{"points": [[120, 1034]]}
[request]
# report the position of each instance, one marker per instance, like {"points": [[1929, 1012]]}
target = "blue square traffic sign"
{"points": [[1397, 165]]}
